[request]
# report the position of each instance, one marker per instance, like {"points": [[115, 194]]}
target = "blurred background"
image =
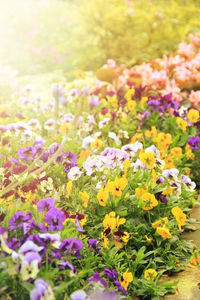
{"points": [[41, 36]]}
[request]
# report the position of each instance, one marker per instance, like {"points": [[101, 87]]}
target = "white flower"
{"points": [[113, 136], [132, 148], [74, 173], [46, 185], [103, 122], [87, 141], [153, 150]]}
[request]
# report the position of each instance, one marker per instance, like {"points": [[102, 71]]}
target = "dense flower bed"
{"points": [[95, 184]]}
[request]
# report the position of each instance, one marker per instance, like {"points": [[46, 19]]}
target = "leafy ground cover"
{"points": [[98, 181]]}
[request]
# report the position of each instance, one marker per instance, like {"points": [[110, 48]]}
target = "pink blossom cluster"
{"points": [[178, 73]]}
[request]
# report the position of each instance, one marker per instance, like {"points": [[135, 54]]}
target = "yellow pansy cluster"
{"points": [[112, 232]]}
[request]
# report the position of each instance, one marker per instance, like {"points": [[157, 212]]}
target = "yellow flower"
{"points": [[102, 196], [120, 221], [69, 188], [189, 153], [131, 105], [164, 232], [182, 124], [127, 196], [121, 238], [163, 140], [168, 191], [136, 137], [129, 94], [160, 222], [64, 127], [150, 274], [140, 191], [126, 166], [149, 201], [176, 152], [179, 216], [151, 133], [147, 159], [143, 101], [149, 241], [97, 144], [195, 259], [125, 237], [112, 222], [154, 177], [193, 115], [117, 186], [83, 221], [105, 241], [85, 198], [127, 278], [123, 117], [113, 101]]}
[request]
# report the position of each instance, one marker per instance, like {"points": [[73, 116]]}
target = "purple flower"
{"points": [[97, 278], [160, 180], [28, 226], [119, 287], [29, 246], [163, 103], [67, 159], [99, 294], [42, 291], [26, 153], [55, 218], [93, 102], [18, 219], [92, 244], [49, 124], [13, 244], [58, 92], [194, 142], [72, 246], [112, 274], [66, 265], [45, 204], [144, 116], [78, 295], [163, 199]]}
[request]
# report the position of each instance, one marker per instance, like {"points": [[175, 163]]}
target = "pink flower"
{"points": [[195, 98]]}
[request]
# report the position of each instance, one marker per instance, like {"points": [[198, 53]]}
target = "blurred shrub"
{"points": [[130, 32], [45, 35]]}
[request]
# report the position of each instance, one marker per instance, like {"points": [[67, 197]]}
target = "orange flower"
{"points": [[164, 232], [195, 260], [84, 154], [176, 152], [180, 216]]}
